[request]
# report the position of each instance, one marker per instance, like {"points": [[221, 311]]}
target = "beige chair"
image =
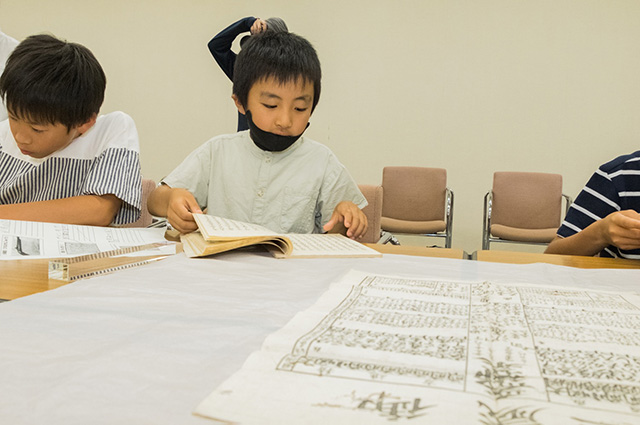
{"points": [[145, 216], [373, 211], [523, 208], [416, 200]]}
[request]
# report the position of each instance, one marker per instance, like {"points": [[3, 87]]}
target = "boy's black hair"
{"points": [[282, 55], [273, 24], [51, 81], [276, 24]]}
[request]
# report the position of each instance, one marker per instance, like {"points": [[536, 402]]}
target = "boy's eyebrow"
{"points": [[270, 95], [37, 124]]}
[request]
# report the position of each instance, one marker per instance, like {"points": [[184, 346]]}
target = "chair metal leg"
{"points": [[386, 237], [449, 218], [486, 221]]}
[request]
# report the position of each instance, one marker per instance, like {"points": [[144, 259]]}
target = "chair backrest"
{"points": [[527, 200], [145, 216], [373, 211], [414, 193]]}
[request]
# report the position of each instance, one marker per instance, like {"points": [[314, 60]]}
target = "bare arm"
{"points": [[178, 205], [621, 229], [90, 210]]}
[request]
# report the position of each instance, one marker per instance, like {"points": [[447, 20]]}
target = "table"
{"points": [[562, 260], [23, 277], [19, 278], [147, 344], [419, 251]]}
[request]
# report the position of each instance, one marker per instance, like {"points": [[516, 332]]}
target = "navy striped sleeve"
{"points": [[598, 199], [615, 186]]}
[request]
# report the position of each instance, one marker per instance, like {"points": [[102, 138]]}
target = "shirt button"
{"points": [[260, 193], [267, 159]]}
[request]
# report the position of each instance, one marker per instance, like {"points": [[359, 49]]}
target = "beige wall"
{"points": [[472, 86]]}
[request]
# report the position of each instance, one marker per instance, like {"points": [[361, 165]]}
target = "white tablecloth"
{"points": [[146, 345]]}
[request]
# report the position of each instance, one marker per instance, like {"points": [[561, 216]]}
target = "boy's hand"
{"points": [[180, 210], [622, 229], [348, 216], [258, 26]]}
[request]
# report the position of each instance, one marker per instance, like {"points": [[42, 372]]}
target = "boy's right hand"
{"points": [[622, 229], [182, 205]]}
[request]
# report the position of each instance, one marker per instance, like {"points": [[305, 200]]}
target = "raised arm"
{"points": [[220, 45], [90, 210]]}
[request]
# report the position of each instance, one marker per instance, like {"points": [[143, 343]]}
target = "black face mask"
{"points": [[269, 141]]}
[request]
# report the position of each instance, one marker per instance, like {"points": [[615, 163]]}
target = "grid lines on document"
{"points": [[410, 332], [587, 345], [502, 342]]}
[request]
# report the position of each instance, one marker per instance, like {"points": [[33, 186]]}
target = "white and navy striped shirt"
{"points": [[615, 186], [104, 160]]}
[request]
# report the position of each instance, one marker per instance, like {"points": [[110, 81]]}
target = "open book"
{"points": [[217, 234]]}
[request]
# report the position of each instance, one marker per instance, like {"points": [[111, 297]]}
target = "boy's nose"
{"points": [[21, 137], [284, 120]]}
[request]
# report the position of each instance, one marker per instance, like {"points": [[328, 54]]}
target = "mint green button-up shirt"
{"points": [[293, 191]]}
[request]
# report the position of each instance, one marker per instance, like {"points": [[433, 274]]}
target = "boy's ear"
{"points": [[238, 104], [83, 128]]}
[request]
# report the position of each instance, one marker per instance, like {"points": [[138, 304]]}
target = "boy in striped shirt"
{"points": [[59, 161], [605, 217]]}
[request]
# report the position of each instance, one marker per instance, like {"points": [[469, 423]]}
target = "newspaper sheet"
{"points": [[28, 239]]}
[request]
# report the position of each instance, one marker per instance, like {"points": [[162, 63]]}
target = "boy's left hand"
{"points": [[348, 215]]}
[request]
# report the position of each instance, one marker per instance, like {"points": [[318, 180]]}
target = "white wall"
{"points": [[473, 86]]}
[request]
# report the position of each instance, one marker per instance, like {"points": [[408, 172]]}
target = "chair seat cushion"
{"points": [[417, 227], [523, 235]]}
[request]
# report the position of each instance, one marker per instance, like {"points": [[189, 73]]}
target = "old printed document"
{"points": [[379, 349]]}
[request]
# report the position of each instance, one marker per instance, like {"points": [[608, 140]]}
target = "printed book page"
{"points": [[325, 245], [28, 239], [382, 349], [224, 228], [217, 234]]}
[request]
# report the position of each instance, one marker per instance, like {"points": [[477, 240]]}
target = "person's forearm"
{"points": [[224, 39], [588, 242], [90, 210], [158, 201]]}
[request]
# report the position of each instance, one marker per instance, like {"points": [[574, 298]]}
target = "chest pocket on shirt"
{"points": [[297, 214]]}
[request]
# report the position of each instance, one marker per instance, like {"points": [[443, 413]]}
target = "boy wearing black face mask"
{"points": [[270, 175]]}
